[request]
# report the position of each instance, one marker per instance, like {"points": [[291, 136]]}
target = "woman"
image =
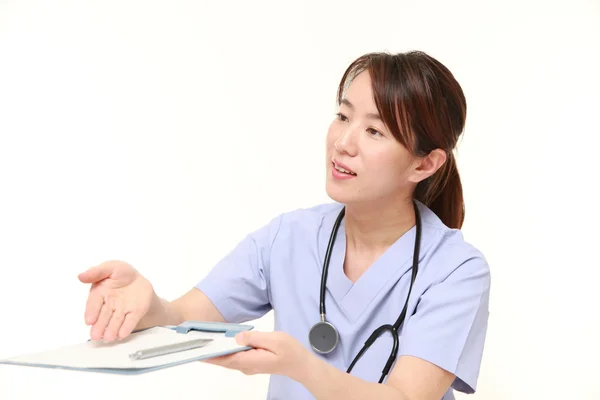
{"points": [[397, 196]]}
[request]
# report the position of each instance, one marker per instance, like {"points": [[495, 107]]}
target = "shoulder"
{"points": [[312, 214], [448, 326], [308, 219], [448, 254], [296, 226]]}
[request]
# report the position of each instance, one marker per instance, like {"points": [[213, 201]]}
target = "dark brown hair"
{"points": [[423, 105]]}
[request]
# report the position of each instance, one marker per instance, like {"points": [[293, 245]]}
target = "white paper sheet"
{"points": [[97, 354]]}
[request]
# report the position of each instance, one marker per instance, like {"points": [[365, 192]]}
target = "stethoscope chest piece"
{"points": [[323, 337]]}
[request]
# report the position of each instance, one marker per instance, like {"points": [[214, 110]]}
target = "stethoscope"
{"points": [[324, 336]]}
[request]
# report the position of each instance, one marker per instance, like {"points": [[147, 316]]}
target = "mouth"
{"points": [[343, 169]]}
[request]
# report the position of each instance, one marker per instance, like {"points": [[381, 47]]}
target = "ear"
{"points": [[428, 165]]}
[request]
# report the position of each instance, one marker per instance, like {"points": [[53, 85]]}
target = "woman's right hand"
{"points": [[119, 298]]}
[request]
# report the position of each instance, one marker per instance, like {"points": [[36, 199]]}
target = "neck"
{"points": [[376, 227]]}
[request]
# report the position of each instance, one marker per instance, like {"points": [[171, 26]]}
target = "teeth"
{"points": [[342, 170]]}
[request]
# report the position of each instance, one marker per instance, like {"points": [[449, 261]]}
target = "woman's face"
{"points": [[358, 141]]}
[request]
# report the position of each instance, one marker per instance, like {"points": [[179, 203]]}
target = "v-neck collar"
{"points": [[354, 298]]}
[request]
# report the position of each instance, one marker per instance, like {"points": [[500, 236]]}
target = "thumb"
{"points": [[262, 340], [96, 274]]}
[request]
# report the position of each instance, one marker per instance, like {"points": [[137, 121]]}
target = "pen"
{"points": [[168, 349]]}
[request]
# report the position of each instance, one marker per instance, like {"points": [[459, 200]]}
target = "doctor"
{"points": [[386, 253]]}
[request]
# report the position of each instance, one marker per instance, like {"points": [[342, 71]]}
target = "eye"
{"points": [[374, 132], [341, 117]]}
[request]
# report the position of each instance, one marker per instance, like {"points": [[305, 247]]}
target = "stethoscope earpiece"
{"points": [[323, 337]]}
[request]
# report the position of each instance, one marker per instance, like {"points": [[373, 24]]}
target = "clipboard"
{"points": [[163, 346]]}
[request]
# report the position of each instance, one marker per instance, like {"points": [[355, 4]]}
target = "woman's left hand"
{"points": [[272, 353]]}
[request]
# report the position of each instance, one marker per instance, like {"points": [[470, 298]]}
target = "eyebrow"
{"points": [[369, 115]]}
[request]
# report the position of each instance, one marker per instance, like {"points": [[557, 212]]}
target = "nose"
{"points": [[346, 143]]}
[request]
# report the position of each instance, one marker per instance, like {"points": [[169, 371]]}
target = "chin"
{"points": [[365, 196], [339, 194]]}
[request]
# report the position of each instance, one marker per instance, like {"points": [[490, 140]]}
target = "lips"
{"points": [[342, 167]]}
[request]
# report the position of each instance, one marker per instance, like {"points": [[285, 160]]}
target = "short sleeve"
{"points": [[238, 285], [450, 323]]}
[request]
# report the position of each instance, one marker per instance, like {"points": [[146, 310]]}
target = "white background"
{"points": [[162, 132]]}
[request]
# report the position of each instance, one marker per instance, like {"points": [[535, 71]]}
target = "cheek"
{"points": [[381, 161], [386, 166]]}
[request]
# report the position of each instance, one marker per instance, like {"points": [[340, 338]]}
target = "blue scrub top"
{"points": [[279, 267]]}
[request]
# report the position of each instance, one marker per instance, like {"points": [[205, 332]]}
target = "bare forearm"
{"points": [[194, 305], [327, 382], [162, 312]]}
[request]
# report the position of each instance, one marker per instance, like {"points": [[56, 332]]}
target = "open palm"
{"points": [[119, 297]]}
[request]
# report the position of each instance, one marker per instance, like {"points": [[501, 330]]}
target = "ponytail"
{"points": [[442, 193]]}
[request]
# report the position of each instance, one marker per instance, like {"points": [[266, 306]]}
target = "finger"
{"points": [[249, 362], [100, 325], [262, 340], [96, 273], [130, 321], [221, 360], [116, 320], [228, 361], [92, 308]]}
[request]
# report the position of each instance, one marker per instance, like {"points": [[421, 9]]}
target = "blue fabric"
{"points": [[279, 267]]}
